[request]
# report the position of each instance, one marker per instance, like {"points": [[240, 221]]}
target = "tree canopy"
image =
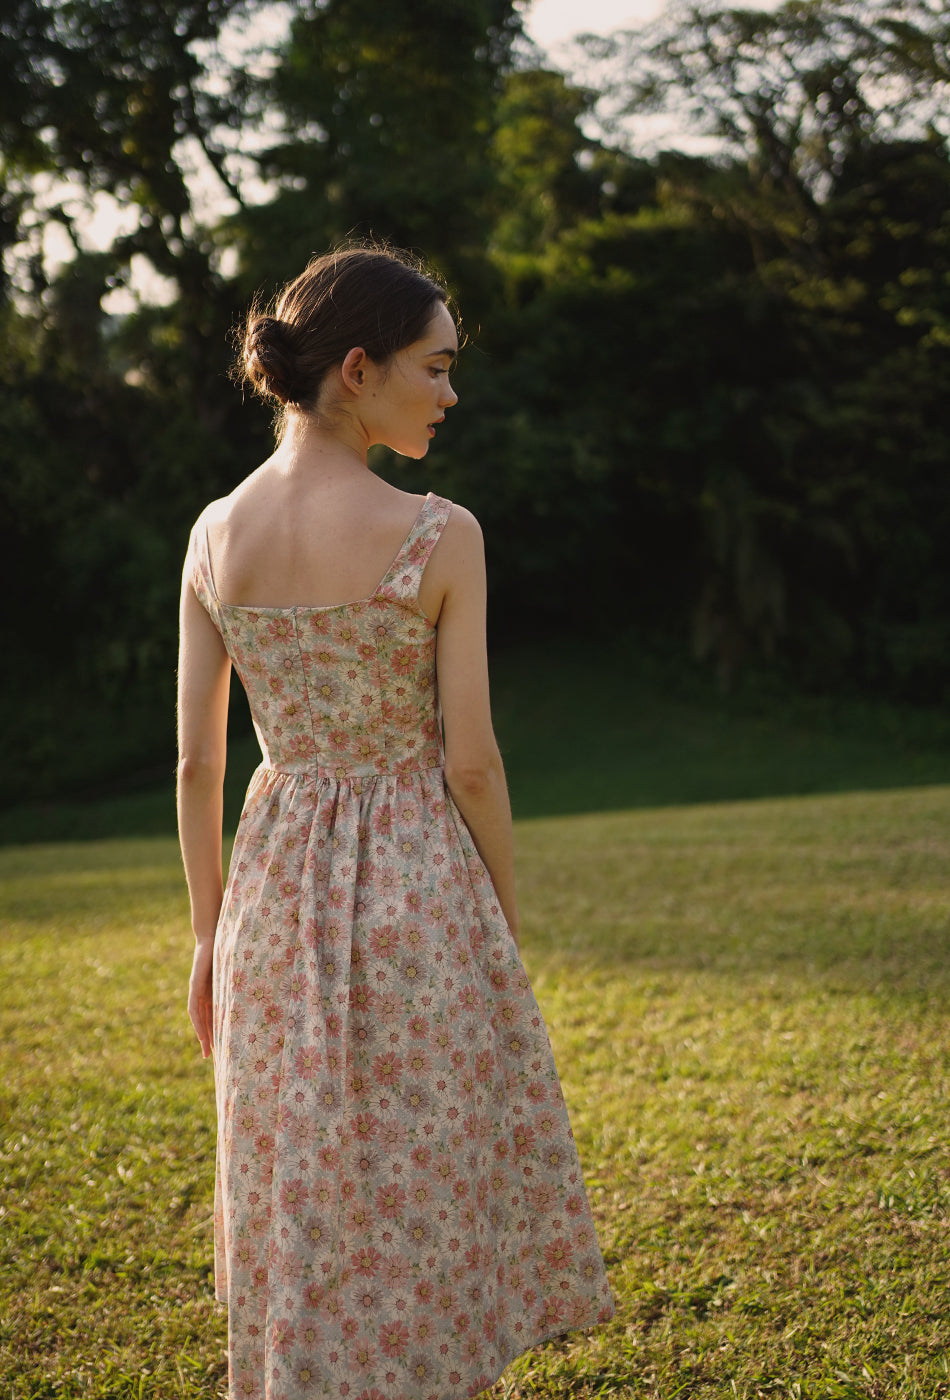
{"points": [[703, 397]]}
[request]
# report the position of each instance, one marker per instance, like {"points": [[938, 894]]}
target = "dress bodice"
{"points": [[340, 691]]}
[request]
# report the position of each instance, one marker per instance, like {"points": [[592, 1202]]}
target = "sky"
{"points": [[550, 22]]}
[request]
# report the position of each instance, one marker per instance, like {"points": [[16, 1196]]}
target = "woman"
{"points": [[399, 1205]]}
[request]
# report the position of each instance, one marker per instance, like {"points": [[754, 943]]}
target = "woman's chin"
{"points": [[414, 450]]}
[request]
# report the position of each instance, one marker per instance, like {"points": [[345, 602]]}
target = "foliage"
{"points": [[834, 173], [793, 92], [117, 427], [387, 114], [106, 95], [703, 393]]}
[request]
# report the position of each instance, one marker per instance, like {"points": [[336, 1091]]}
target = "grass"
{"points": [[747, 1002]]}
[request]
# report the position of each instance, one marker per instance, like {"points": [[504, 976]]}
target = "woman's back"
{"points": [[344, 688], [283, 539]]}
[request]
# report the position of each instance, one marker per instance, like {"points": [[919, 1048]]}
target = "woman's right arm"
{"points": [[474, 772], [204, 672]]}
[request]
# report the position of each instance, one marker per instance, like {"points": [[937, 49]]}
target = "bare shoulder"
{"points": [[460, 550], [461, 536], [216, 511], [462, 523], [243, 501]]}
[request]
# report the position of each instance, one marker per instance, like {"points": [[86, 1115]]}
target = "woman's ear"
{"points": [[353, 369]]}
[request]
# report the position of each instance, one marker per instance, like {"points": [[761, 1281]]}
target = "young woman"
{"points": [[399, 1205]]}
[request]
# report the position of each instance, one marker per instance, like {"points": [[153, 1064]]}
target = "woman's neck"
{"points": [[313, 446]]}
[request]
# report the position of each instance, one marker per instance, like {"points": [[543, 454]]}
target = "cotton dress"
{"points": [[399, 1208]]}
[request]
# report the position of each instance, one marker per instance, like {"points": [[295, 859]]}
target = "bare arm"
{"points": [[204, 671], [473, 768]]}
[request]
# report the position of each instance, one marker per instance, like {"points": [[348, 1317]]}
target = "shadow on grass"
{"points": [[598, 730]]}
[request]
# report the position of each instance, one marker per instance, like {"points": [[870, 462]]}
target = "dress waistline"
{"points": [[355, 777]]}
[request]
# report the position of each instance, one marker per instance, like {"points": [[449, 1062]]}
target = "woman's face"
{"points": [[409, 396]]}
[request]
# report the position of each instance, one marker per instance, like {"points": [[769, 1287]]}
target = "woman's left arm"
{"points": [[204, 674]]}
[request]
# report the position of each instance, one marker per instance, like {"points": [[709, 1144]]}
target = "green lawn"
{"points": [[747, 1002]]}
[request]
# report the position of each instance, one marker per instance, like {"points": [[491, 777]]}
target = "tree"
{"points": [[388, 113], [115, 429], [790, 92], [832, 170], [105, 96]]}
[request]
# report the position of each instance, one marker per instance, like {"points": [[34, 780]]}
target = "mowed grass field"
{"points": [[748, 1003]]}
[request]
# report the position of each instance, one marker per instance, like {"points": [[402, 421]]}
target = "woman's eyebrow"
{"points": [[451, 353]]}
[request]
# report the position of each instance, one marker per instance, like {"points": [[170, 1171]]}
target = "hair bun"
{"points": [[270, 358], [358, 295]]}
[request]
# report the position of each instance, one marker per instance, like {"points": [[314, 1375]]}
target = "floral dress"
{"points": [[399, 1208]]}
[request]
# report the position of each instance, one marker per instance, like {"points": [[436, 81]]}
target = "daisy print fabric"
{"points": [[399, 1207]]}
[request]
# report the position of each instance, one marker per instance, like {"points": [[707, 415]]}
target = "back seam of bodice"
{"points": [[306, 679]]}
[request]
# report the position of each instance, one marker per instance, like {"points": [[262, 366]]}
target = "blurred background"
{"points": [[702, 258]]}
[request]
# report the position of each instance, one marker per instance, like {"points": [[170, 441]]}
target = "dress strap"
{"points": [[202, 579], [405, 573]]}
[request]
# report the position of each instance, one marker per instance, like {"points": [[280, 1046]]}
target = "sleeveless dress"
{"points": [[399, 1208]]}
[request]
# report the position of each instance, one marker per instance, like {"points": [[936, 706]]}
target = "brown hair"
{"points": [[373, 296]]}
